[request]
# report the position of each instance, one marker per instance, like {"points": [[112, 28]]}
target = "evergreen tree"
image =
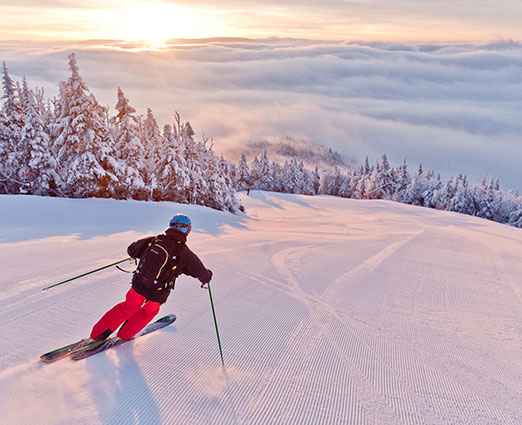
{"points": [[227, 169], [345, 191], [402, 182], [174, 178], [444, 196], [36, 143], [461, 201], [276, 171], [307, 180], [261, 173], [129, 152], [254, 166], [380, 185], [335, 182], [219, 194], [195, 155], [291, 177], [153, 149], [515, 212], [492, 208], [11, 124], [315, 180], [82, 139], [361, 190], [243, 176], [187, 133], [417, 190], [432, 185], [366, 171]]}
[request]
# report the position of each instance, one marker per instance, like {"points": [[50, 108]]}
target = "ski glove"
{"points": [[206, 279]]}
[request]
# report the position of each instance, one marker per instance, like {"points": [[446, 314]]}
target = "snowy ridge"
{"points": [[331, 311]]}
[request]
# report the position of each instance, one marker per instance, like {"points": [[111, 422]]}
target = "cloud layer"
{"points": [[455, 108]]}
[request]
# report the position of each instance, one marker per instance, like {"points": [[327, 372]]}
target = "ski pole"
{"points": [[215, 323], [85, 274]]}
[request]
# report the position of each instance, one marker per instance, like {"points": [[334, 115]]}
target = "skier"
{"points": [[162, 259]]}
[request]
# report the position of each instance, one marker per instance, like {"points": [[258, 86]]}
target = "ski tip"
{"points": [[168, 318]]}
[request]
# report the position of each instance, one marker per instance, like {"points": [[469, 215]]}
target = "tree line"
{"points": [[382, 181], [70, 146]]}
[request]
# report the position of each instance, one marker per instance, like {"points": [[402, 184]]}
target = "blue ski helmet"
{"points": [[181, 223]]}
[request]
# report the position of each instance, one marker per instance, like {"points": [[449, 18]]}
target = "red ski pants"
{"points": [[136, 310]]}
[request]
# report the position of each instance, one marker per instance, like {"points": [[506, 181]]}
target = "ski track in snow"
{"points": [[330, 311]]}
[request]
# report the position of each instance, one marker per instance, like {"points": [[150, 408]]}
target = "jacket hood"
{"points": [[176, 235]]}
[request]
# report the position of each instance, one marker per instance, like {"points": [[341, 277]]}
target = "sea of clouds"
{"points": [[453, 108]]}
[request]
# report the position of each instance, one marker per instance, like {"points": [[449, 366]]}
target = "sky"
{"points": [[384, 20], [437, 83]]}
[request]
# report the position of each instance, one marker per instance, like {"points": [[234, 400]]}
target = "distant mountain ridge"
{"points": [[311, 154]]}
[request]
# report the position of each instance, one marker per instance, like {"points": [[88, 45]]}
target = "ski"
{"points": [[97, 347], [84, 344], [100, 346], [62, 352]]}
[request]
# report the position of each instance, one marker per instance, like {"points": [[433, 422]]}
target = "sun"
{"points": [[156, 22]]}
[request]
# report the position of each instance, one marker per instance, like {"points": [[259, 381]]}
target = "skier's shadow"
{"points": [[121, 394]]}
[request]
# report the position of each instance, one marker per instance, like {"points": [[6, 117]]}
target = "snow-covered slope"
{"points": [[331, 311]]}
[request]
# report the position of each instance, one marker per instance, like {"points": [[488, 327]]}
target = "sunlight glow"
{"points": [[155, 22]]}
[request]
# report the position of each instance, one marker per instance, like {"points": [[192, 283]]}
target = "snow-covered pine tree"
{"points": [[187, 133], [261, 173], [254, 166], [335, 183], [287, 178], [315, 180], [129, 152], [307, 180], [173, 173], [292, 177], [478, 193], [276, 171], [195, 155], [402, 182], [228, 171], [462, 201], [417, 190], [515, 211], [219, 194], [243, 176], [348, 185], [345, 190], [443, 196], [366, 170], [11, 123], [360, 190], [492, 205], [154, 149], [23, 149], [432, 185], [83, 145], [36, 143], [380, 185]]}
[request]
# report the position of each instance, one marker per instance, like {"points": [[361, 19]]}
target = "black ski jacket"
{"points": [[180, 260]]}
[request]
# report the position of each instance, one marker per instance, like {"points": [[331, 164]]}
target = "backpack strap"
{"points": [[167, 257]]}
